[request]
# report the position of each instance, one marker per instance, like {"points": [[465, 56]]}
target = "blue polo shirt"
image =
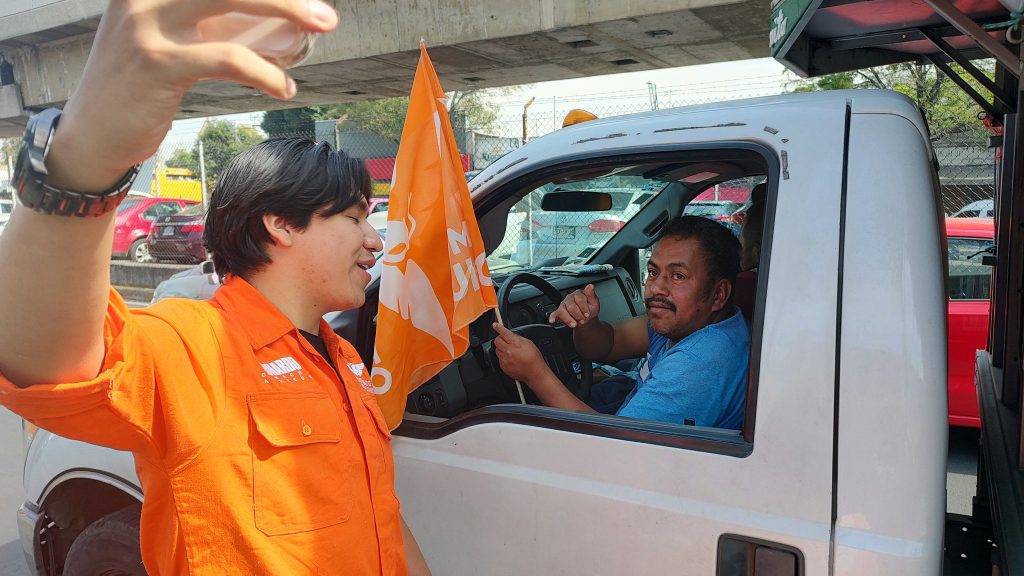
{"points": [[702, 379]]}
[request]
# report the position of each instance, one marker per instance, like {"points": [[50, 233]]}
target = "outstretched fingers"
{"points": [[234, 62]]}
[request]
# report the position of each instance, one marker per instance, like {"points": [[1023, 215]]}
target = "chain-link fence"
{"points": [[163, 221]]}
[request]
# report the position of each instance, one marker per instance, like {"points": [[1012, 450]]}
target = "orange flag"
{"points": [[434, 279]]}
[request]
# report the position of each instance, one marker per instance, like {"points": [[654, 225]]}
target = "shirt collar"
{"points": [[261, 320]]}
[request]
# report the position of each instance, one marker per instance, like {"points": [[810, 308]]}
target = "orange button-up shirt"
{"points": [[254, 457]]}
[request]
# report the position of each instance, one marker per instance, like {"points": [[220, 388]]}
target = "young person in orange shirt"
{"points": [[256, 435]]}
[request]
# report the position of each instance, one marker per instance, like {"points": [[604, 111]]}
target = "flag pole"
{"points": [[519, 386]]}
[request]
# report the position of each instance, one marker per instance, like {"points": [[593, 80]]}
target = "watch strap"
{"points": [[31, 175]]}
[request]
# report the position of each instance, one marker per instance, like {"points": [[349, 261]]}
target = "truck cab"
{"points": [[839, 465]]}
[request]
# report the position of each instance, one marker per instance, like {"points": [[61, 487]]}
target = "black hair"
{"points": [[294, 178], [721, 248]]}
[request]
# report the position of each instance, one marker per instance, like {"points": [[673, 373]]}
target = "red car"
{"points": [[179, 237], [134, 220], [970, 239]]}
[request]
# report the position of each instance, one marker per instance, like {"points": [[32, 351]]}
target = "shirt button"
{"points": [[306, 430]]}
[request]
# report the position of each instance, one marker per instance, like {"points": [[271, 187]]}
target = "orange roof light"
{"points": [[576, 116]]}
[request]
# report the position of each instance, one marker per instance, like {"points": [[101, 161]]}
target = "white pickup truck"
{"points": [[840, 466]]}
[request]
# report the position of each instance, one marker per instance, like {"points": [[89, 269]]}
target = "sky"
{"points": [[630, 90]]}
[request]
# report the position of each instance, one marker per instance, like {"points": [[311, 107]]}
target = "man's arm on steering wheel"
{"points": [[520, 359], [596, 339]]}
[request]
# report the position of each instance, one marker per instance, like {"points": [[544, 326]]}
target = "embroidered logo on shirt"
{"points": [[282, 366], [360, 371]]}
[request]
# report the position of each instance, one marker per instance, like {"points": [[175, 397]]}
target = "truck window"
{"points": [[968, 278], [624, 202]]}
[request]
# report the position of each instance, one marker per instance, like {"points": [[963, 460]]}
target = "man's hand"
{"points": [[520, 359], [147, 54], [578, 308]]}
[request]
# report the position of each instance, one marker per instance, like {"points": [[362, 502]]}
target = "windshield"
{"points": [[536, 237]]}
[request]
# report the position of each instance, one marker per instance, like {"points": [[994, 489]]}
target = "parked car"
{"points": [[977, 209], [179, 237], [715, 210], [545, 235], [969, 240], [134, 221], [6, 207]]}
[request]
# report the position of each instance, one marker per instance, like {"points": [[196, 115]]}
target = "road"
{"points": [[12, 494], [960, 478]]}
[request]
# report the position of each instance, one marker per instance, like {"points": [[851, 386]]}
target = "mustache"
{"points": [[661, 301]]}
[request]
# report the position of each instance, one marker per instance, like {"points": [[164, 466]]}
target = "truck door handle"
{"points": [[745, 556]]}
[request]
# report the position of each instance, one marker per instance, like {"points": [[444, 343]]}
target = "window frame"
{"points": [[949, 267], [738, 444]]}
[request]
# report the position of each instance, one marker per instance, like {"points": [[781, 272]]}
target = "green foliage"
{"points": [[289, 122], [184, 159], [944, 105], [222, 141], [385, 117]]}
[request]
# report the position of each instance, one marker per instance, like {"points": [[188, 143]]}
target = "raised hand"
{"points": [[578, 308], [146, 56]]}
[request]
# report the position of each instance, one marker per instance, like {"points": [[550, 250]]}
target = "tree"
{"points": [[222, 141], [8, 152], [946, 108], [384, 117], [183, 159], [291, 121]]}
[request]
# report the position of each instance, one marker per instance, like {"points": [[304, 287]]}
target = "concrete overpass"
{"points": [[473, 43]]}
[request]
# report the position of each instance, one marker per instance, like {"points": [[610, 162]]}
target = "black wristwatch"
{"points": [[30, 176]]}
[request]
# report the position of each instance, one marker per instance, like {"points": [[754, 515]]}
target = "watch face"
{"points": [[30, 176], [22, 170]]}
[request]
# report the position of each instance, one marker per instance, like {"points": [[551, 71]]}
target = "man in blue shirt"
{"points": [[695, 340]]}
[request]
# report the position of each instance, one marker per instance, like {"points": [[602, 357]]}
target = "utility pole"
{"points": [[525, 130], [202, 164], [652, 91]]}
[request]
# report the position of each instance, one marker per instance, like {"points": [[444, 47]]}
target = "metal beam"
{"points": [[966, 87], [971, 69], [890, 37], [970, 28]]}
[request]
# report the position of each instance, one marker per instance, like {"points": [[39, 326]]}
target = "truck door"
{"points": [[510, 489]]}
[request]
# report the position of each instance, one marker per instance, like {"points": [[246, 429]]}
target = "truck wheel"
{"points": [[140, 251], [108, 547]]}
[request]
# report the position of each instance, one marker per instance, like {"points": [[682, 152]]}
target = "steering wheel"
{"points": [[555, 344]]}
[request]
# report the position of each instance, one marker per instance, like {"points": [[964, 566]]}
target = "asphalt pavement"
{"points": [[12, 494]]}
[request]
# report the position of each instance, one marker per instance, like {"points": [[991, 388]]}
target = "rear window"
{"points": [[193, 210], [969, 279], [128, 203]]}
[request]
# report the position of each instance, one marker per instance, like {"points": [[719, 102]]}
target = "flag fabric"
{"points": [[434, 278]]}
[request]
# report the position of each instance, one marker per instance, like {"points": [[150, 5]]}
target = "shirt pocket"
{"points": [[378, 417], [303, 463]]}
